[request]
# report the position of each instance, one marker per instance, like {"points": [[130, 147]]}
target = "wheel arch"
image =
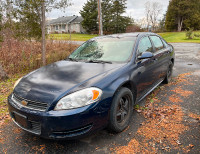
{"points": [[130, 85]]}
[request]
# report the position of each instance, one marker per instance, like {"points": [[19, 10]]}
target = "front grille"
{"points": [[35, 127], [30, 104]]}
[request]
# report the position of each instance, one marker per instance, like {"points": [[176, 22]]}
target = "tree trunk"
{"points": [[3, 74], [180, 23], [100, 18], [43, 35]]}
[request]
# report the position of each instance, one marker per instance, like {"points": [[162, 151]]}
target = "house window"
{"points": [[56, 27], [63, 27]]}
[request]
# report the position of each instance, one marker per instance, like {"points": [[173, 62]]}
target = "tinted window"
{"points": [[165, 43], [157, 42], [105, 49], [144, 46]]}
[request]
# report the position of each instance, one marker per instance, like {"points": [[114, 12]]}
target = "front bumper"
{"points": [[67, 124]]}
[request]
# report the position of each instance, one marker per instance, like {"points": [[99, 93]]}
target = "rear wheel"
{"points": [[121, 110], [169, 73]]}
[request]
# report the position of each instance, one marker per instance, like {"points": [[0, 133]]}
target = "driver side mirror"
{"points": [[146, 55]]}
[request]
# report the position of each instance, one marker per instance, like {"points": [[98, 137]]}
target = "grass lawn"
{"points": [[75, 37], [174, 37], [6, 88]]}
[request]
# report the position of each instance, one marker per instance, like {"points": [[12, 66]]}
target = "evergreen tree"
{"points": [[183, 14], [90, 15], [119, 22], [107, 16], [29, 19], [29, 15], [112, 10]]}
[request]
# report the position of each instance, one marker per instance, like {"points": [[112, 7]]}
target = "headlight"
{"points": [[16, 83], [79, 99]]}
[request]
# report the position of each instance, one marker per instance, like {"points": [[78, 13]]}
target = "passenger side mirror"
{"points": [[145, 55]]}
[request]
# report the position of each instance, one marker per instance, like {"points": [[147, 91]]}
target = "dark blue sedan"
{"points": [[95, 87]]}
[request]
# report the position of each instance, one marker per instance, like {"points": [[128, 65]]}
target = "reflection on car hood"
{"points": [[49, 82]]}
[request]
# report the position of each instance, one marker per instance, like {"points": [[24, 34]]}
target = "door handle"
{"points": [[155, 59]]}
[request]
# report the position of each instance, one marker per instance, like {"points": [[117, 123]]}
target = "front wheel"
{"points": [[121, 110], [169, 73]]}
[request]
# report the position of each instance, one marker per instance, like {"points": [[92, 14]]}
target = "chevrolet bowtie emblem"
{"points": [[24, 103]]}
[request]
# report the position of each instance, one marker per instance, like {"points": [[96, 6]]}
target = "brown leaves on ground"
{"points": [[175, 99], [40, 149], [184, 93], [135, 146], [188, 148], [17, 130], [194, 116], [166, 127], [181, 78], [162, 130], [164, 124]]}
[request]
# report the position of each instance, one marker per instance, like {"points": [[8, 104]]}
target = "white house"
{"points": [[65, 25]]}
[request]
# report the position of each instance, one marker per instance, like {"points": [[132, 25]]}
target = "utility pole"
{"points": [[100, 18], [43, 34]]}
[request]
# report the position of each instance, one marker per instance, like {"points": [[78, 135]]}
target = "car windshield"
{"points": [[110, 49]]}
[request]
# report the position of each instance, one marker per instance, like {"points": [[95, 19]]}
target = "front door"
{"points": [[146, 68]]}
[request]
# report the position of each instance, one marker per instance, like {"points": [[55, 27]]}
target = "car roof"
{"points": [[135, 34]]}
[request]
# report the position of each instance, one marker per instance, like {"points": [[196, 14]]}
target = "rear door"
{"points": [[161, 53]]}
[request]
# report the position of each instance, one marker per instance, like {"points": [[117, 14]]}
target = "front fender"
{"points": [[112, 83]]}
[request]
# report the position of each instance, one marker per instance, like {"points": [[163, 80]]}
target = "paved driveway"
{"points": [[166, 121]]}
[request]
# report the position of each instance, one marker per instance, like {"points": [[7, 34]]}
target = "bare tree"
{"points": [[39, 8], [152, 11], [147, 12]]}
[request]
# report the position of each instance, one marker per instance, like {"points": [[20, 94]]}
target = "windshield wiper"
{"points": [[72, 59], [99, 61]]}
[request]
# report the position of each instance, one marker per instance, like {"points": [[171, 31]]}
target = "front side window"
{"points": [[112, 49], [157, 42], [144, 46], [164, 42]]}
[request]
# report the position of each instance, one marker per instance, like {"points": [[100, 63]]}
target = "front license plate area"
{"points": [[21, 120]]}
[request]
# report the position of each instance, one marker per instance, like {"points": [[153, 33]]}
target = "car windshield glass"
{"points": [[110, 49]]}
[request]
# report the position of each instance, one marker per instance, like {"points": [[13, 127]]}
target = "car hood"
{"points": [[52, 81]]}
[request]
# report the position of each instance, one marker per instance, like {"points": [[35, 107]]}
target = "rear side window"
{"points": [[157, 42], [144, 46]]}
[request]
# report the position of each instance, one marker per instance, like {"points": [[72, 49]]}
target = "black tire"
{"points": [[169, 73], [121, 110]]}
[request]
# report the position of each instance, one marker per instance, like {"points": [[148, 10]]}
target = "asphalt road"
{"points": [[14, 140]]}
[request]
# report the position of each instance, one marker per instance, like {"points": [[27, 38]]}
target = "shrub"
{"points": [[95, 32], [24, 56], [107, 33], [196, 35], [133, 28], [189, 33]]}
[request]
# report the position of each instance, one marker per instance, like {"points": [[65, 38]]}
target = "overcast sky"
{"points": [[135, 8]]}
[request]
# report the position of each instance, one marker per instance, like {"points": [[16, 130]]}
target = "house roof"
{"points": [[79, 19], [66, 20]]}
